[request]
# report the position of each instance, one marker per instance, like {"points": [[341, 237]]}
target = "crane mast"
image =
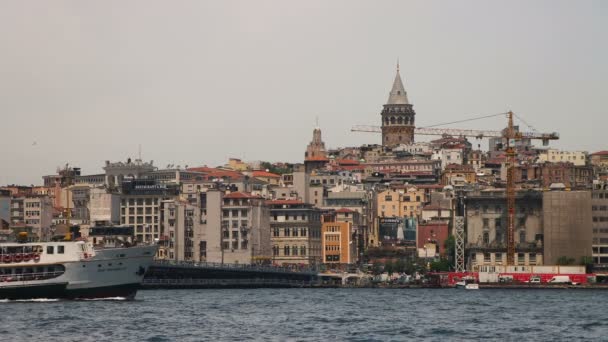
{"points": [[510, 136]]}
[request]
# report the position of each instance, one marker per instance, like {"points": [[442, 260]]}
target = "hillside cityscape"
{"points": [[402, 205]]}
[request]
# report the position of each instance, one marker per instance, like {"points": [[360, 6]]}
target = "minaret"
{"points": [[397, 116]]}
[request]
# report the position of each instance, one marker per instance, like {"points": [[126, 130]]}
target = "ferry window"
{"points": [[50, 249], [60, 249]]}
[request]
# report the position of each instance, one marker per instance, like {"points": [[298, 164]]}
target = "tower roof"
{"points": [[397, 94]]}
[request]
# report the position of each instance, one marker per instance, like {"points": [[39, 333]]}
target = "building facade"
{"points": [[338, 246], [599, 212], [141, 206], [295, 229]]}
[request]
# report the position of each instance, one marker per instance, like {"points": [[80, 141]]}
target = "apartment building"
{"points": [[295, 232]]}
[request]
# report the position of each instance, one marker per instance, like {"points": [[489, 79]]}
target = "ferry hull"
{"points": [[127, 291], [36, 291]]}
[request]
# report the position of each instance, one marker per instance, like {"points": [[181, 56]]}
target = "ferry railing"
{"points": [[245, 267]]}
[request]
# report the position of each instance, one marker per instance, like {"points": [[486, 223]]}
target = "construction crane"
{"points": [[511, 135]]}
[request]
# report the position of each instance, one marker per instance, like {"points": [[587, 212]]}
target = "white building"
{"points": [[577, 158], [448, 156], [104, 206]]}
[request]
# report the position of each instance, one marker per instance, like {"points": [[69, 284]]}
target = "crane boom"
{"points": [[462, 132]]}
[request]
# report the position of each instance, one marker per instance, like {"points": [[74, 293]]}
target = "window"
{"points": [[303, 231], [486, 237], [275, 250], [275, 232], [287, 232], [302, 250], [60, 249], [498, 257], [486, 223], [522, 236], [295, 233], [294, 250], [50, 250], [286, 250]]}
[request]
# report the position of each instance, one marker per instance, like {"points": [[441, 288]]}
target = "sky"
{"points": [[196, 82]]}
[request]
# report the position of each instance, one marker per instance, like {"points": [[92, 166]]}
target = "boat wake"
{"points": [[33, 300], [106, 299]]}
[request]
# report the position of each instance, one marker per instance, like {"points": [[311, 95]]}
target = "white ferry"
{"points": [[71, 269]]}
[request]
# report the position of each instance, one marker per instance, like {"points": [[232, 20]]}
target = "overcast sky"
{"points": [[196, 82]]}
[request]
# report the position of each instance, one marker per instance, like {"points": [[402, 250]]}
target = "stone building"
{"points": [[486, 228], [398, 116], [295, 229]]}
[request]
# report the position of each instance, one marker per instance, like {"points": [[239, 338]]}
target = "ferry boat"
{"points": [[71, 269]]}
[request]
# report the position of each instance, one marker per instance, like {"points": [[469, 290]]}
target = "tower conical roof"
{"points": [[397, 94]]}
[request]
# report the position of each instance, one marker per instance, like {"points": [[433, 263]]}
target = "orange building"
{"points": [[337, 245]]}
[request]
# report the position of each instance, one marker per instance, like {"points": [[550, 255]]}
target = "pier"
{"points": [[173, 274]]}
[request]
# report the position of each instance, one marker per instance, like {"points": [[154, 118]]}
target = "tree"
{"points": [[441, 265], [587, 261], [389, 267], [400, 266], [377, 269], [564, 260], [450, 249]]}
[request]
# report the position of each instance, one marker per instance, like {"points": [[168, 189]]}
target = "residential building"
{"points": [[543, 175], [400, 202], [458, 175], [296, 232], [435, 233], [599, 212], [35, 212], [578, 158], [245, 229], [404, 166], [599, 159], [486, 228], [338, 246], [449, 156], [182, 222], [268, 177]]}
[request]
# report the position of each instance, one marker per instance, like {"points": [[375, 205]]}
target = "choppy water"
{"points": [[315, 315]]}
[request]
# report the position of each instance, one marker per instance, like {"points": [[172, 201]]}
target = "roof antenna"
{"points": [[139, 151]]}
